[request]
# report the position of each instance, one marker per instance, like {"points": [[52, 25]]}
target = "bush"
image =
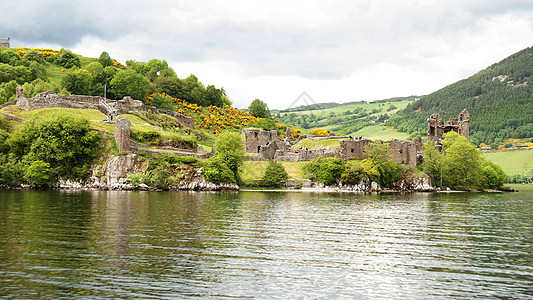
{"points": [[494, 176], [38, 173], [325, 170], [275, 174], [65, 142], [217, 171], [68, 59], [229, 148]]}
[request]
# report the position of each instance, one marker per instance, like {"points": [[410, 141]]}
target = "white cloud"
{"points": [[336, 50]]}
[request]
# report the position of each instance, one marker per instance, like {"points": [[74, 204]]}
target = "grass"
{"points": [[512, 162], [255, 169], [379, 132], [334, 143]]}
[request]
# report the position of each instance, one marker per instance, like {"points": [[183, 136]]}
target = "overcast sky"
{"points": [[335, 50]]}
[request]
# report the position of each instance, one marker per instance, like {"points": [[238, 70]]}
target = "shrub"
{"points": [[275, 174], [38, 173], [229, 148], [64, 141], [217, 171], [325, 170], [494, 176]]}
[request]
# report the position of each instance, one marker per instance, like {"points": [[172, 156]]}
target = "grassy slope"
{"points": [[255, 170], [367, 106], [334, 143], [512, 162], [94, 116], [379, 132]]}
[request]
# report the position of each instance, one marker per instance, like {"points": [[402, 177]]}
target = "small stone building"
{"points": [[437, 128], [263, 142], [4, 42]]}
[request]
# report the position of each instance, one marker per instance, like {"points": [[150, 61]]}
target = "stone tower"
{"points": [[437, 127], [4, 43], [122, 134]]}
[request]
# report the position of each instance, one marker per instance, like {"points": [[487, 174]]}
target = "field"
{"points": [[379, 132], [256, 169], [343, 108], [512, 162]]}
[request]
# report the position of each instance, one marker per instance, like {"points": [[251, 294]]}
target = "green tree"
{"points": [[494, 176], [324, 169], [64, 141], [105, 60], [38, 173], [68, 59], [462, 163], [217, 171], [259, 109], [433, 163], [275, 174], [229, 147], [129, 83]]}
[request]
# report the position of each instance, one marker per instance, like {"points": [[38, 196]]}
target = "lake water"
{"points": [[268, 245]]}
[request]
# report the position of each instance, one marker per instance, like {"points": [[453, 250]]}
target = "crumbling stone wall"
{"points": [[122, 134], [437, 128], [257, 138], [4, 43], [402, 152], [124, 106]]}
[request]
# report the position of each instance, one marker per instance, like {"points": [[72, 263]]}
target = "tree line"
{"points": [[99, 77]]}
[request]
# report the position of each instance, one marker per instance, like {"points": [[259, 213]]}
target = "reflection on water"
{"points": [[59, 244]]}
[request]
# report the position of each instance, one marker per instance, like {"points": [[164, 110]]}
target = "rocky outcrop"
{"points": [[112, 172]]}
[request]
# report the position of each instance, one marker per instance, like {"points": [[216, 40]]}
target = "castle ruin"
{"points": [[269, 146], [4, 42], [437, 128]]}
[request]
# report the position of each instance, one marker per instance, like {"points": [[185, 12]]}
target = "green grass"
{"points": [[378, 132], [255, 169], [512, 162], [334, 143]]}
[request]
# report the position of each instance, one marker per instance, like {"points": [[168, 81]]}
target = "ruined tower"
{"points": [[4, 42], [436, 127], [122, 134]]}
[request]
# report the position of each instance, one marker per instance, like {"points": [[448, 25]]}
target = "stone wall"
{"points": [[266, 143], [122, 134], [108, 107]]}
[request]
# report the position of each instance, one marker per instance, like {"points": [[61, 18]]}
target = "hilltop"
{"points": [[499, 99]]}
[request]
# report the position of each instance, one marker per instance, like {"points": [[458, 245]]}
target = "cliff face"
{"points": [[113, 172]]}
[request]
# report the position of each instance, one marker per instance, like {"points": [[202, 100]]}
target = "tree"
{"points": [[105, 60], [229, 147], [130, 83], [259, 109], [67, 143], [324, 169], [462, 163], [275, 174], [68, 59]]}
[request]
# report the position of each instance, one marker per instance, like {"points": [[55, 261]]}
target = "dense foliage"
{"points": [[460, 166], [224, 166], [259, 109], [275, 174], [499, 99], [65, 72], [44, 149]]}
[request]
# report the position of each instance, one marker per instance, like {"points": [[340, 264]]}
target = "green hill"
{"points": [[499, 99], [346, 118]]}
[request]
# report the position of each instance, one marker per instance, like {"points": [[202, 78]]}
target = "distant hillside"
{"points": [[499, 99], [346, 118]]}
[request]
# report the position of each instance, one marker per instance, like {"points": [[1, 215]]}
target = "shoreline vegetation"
{"points": [[71, 148]]}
